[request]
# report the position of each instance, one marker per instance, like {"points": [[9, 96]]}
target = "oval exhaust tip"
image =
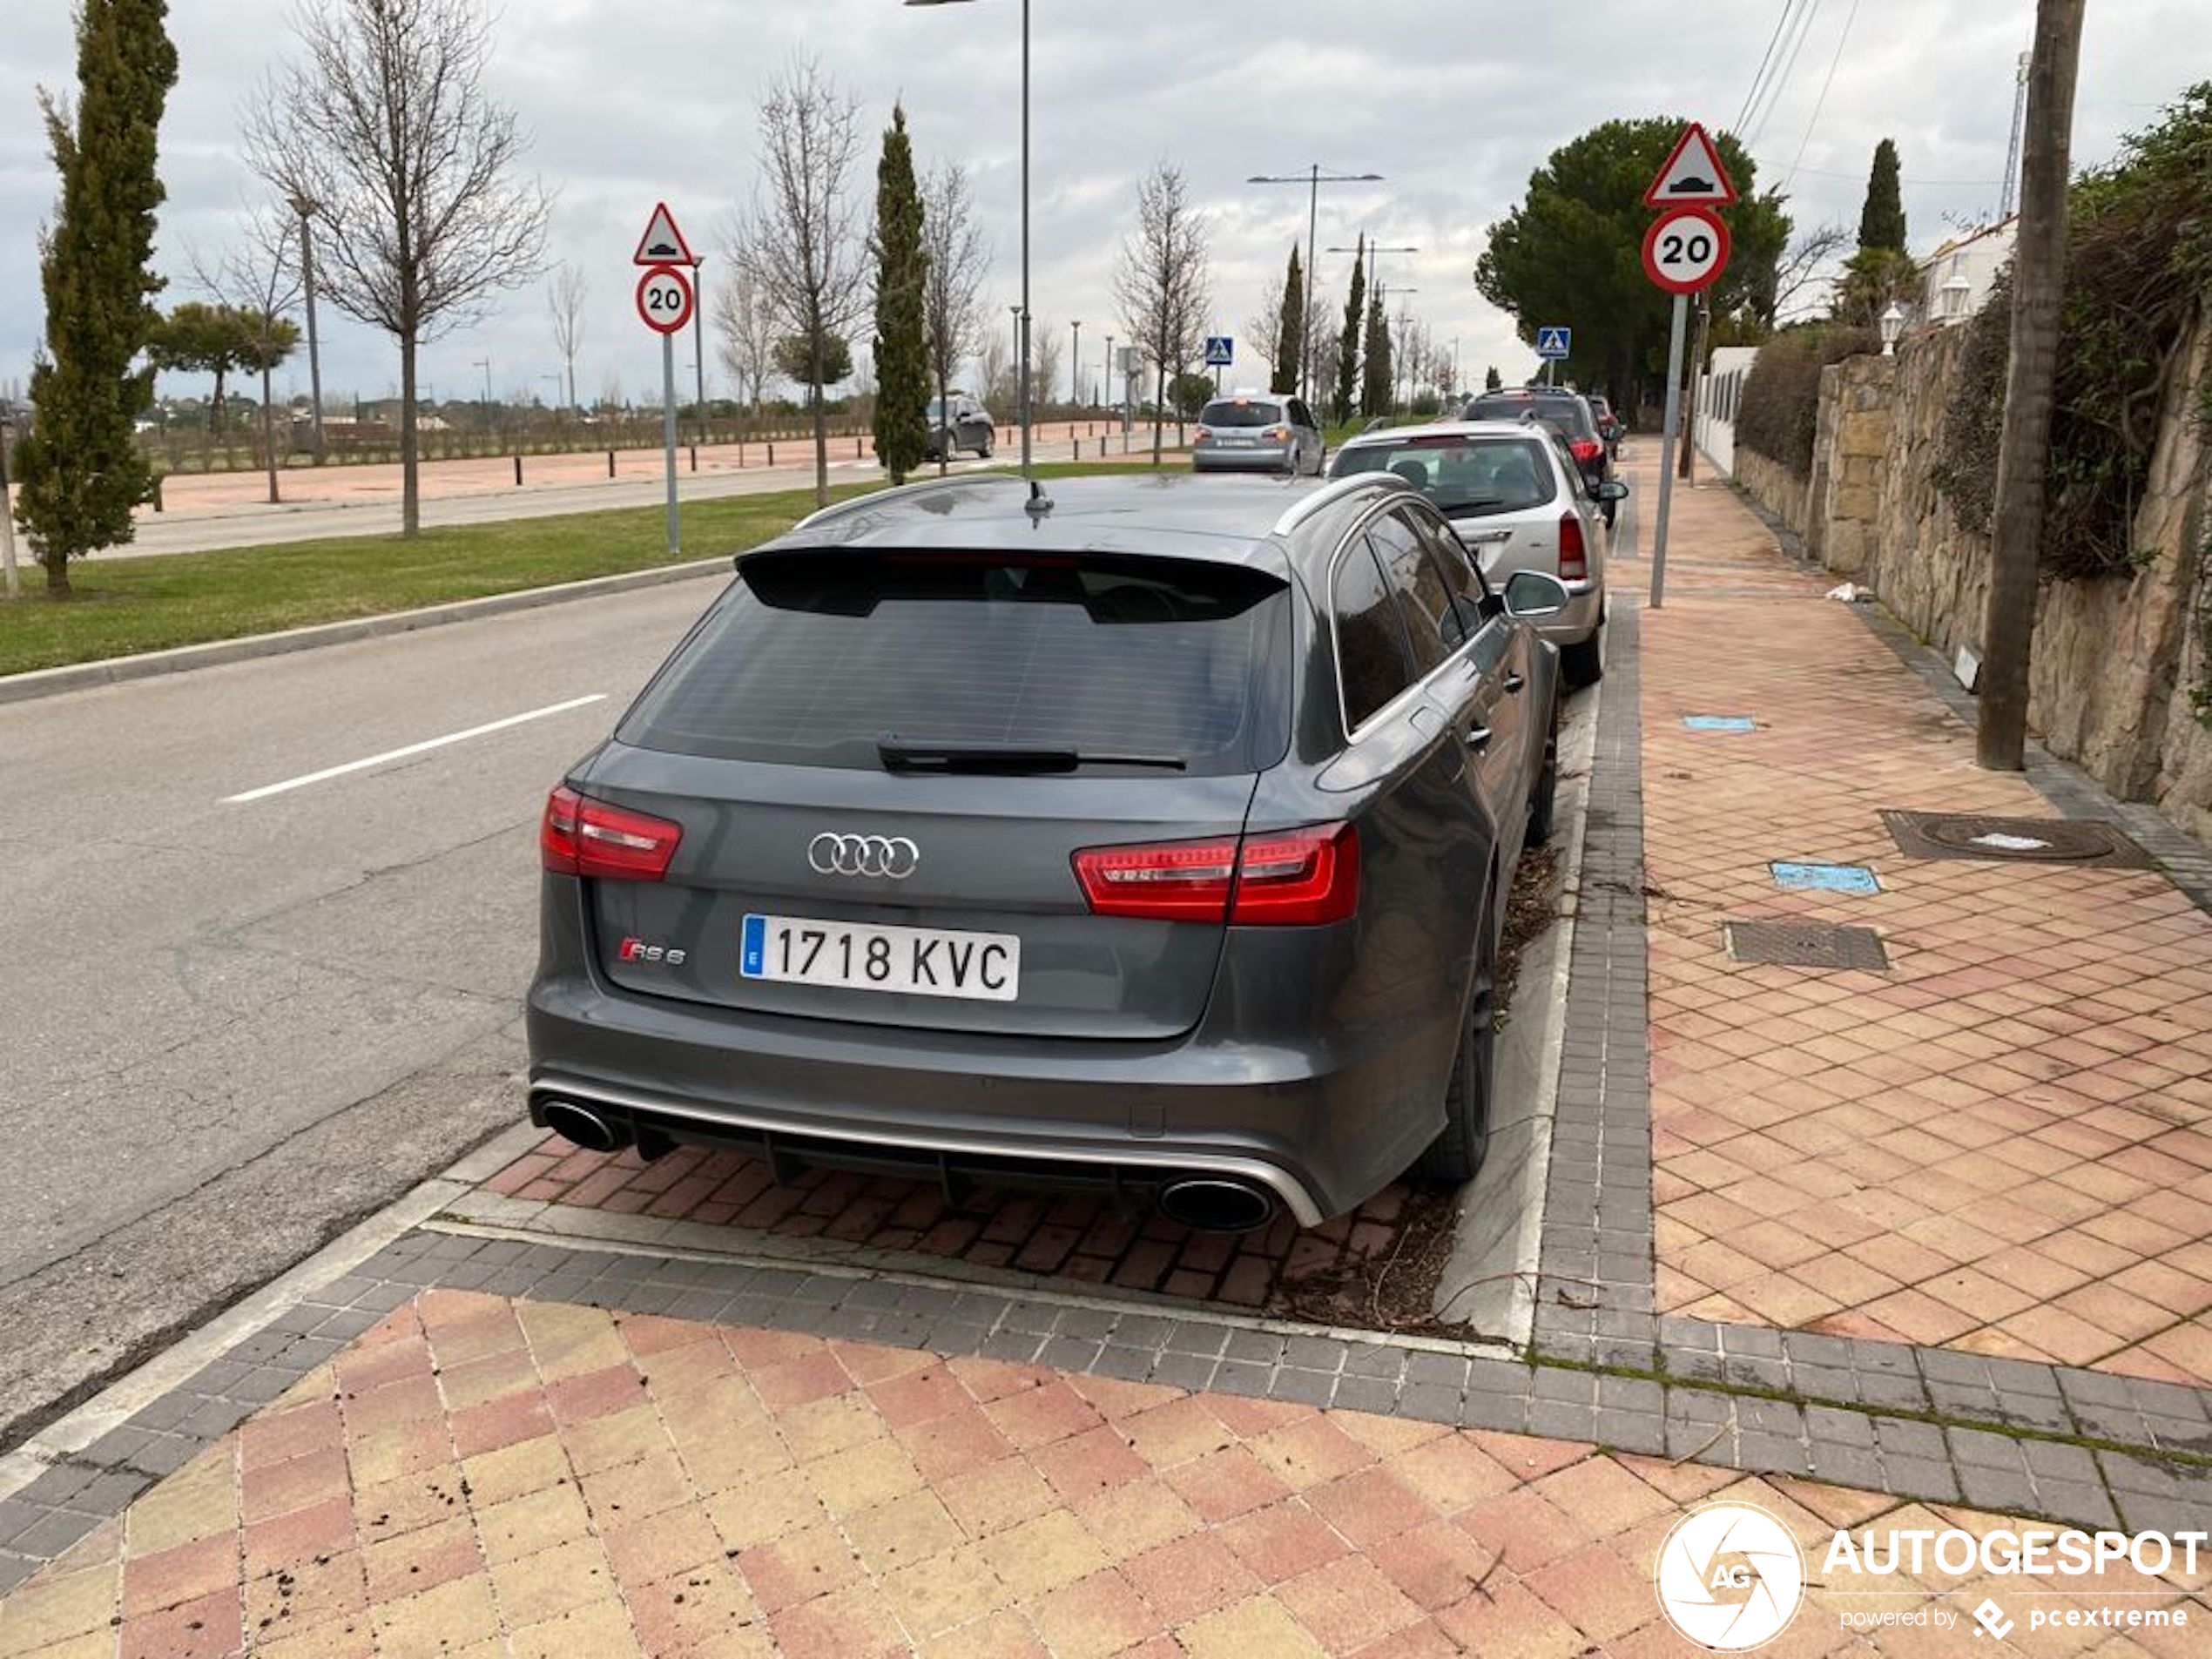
{"points": [[575, 1122], [1213, 1204]]}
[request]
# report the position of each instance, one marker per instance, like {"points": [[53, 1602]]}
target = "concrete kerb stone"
{"points": [[78, 677]]}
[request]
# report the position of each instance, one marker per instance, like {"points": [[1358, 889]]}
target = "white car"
{"points": [[1518, 502]]}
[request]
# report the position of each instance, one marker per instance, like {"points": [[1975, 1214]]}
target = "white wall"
{"points": [[1720, 393]]}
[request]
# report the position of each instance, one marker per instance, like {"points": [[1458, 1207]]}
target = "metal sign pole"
{"points": [[1668, 436], [668, 426]]}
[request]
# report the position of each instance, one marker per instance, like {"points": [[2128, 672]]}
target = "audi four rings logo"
{"points": [[884, 855]]}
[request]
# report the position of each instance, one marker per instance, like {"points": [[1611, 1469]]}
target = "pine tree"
{"points": [[901, 269], [1881, 221], [1492, 381], [1355, 308], [1290, 335], [1375, 385], [82, 471]]}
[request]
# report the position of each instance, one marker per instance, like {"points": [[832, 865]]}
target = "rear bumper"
{"points": [[965, 1103], [1270, 458]]}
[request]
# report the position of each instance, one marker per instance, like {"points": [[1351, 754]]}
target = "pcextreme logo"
{"points": [[1731, 1577]]}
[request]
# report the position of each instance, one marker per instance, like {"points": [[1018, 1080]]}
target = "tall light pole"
{"points": [[1021, 311], [1108, 398], [1075, 364], [484, 363], [699, 339], [307, 206], [1313, 177]]}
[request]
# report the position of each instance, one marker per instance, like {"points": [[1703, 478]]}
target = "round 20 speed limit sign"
{"points": [[665, 298], [1685, 249]]}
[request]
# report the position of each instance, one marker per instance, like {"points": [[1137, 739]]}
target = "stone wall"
{"points": [[2114, 659]]}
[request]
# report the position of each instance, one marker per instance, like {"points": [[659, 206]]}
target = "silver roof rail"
{"points": [[902, 493], [1334, 491]]}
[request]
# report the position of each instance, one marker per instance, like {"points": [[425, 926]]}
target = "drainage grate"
{"points": [[1807, 944], [2034, 841]]}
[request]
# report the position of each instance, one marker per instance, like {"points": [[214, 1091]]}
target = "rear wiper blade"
{"points": [[986, 754]]}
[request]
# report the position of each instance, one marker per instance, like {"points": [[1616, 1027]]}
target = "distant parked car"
{"points": [[967, 426], [1148, 836], [1512, 492], [1609, 425], [1566, 413], [1257, 432]]}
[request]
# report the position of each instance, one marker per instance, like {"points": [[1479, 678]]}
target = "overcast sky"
{"points": [[1455, 103]]}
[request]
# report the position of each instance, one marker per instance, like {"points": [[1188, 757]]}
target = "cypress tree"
{"points": [[901, 267], [1881, 221], [1290, 335], [1374, 386], [1491, 378], [82, 470], [1355, 308]]}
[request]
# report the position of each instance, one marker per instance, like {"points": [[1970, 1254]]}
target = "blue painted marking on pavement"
{"points": [[1719, 723], [1824, 878]]}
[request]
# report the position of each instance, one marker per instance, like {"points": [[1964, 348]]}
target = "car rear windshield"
{"points": [[1467, 477], [1240, 412], [811, 657], [1563, 415]]}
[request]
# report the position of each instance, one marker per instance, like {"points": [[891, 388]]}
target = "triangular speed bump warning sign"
{"points": [[1693, 176], [663, 244]]}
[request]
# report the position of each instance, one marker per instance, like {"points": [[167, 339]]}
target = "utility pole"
{"points": [[1684, 464], [2023, 451], [1074, 365], [698, 340], [306, 207]]}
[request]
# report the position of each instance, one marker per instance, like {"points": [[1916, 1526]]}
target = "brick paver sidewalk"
{"points": [[476, 1475], [2004, 1143]]}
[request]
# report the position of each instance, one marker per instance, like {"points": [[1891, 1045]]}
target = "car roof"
{"points": [[1219, 520], [1436, 429]]}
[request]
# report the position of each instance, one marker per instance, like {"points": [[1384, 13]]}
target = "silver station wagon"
{"points": [[1152, 837]]}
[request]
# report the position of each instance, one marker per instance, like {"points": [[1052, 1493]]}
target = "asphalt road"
{"points": [[233, 1028]]}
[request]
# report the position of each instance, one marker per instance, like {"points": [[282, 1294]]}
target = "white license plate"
{"points": [[920, 961]]}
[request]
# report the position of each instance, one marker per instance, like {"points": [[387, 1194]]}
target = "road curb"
{"points": [[78, 677]]}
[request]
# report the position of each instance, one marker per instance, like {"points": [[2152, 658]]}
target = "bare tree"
{"points": [[995, 370], [1263, 335], [1801, 268], [258, 280], [746, 334], [802, 246], [1161, 283], [564, 298], [952, 287], [1044, 359], [386, 126]]}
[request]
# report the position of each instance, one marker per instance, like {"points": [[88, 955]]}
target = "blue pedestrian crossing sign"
{"points": [[1552, 343], [1221, 351]]}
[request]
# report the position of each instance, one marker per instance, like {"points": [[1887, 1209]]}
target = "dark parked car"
{"points": [[1154, 837], [1609, 427], [1257, 432], [959, 422], [1566, 413]]}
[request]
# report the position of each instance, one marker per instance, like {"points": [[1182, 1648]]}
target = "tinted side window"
{"points": [[1431, 621], [1300, 414], [1370, 641]]}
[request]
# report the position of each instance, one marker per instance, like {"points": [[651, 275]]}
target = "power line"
{"points": [[1781, 81], [1821, 103], [1765, 57]]}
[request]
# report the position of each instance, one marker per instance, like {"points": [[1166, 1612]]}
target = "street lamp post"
{"points": [[1074, 365], [698, 340], [1109, 399], [1021, 311], [306, 207], [1313, 177], [484, 363], [1893, 322]]}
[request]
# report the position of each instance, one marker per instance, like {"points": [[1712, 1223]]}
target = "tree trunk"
{"points": [[821, 425], [268, 439], [2023, 453], [410, 475]]}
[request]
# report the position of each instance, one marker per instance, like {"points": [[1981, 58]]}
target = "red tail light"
{"points": [[1587, 448], [1282, 877], [580, 836], [1277, 435], [1204, 434], [1573, 557]]}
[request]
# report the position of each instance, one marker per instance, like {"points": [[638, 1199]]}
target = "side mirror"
{"points": [[1611, 489], [1531, 594]]}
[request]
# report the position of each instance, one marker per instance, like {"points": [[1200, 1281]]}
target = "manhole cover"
{"points": [[1807, 944], [2034, 841]]}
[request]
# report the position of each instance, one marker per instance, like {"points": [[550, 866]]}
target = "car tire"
{"points": [[984, 452], [1545, 795], [1584, 663], [1454, 1155]]}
